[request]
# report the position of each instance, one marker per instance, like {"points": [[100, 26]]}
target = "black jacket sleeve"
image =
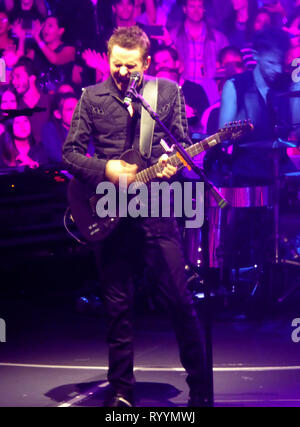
{"points": [[90, 170]]}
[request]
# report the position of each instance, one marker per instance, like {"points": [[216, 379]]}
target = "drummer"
{"points": [[262, 96]]}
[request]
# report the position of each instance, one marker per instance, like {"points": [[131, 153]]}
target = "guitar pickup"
{"points": [[166, 147]]}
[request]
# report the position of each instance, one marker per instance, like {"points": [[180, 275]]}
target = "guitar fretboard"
{"points": [[147, 175]]}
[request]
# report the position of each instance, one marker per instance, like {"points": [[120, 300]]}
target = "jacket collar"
{"points": [[108, 87]]}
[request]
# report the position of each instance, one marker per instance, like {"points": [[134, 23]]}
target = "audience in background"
{"points": [[167, 65], [55, 131], [51, 56], [28, 11], [238, 26], [17, 145], [24, 81], [10, 49], [59, 46], [8, 101], [145, 11], [198, 45]]}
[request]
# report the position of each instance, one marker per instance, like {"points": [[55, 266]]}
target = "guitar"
{"points": [[83, 200]]}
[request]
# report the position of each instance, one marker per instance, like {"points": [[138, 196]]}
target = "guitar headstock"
{"points": [[235, 130]]}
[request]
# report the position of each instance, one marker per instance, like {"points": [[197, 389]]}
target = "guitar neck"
{"points": [[147, 175]]}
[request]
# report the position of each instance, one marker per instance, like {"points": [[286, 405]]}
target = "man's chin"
{"points": [[122, 86]]}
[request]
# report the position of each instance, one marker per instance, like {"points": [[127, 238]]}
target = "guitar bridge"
{"points": [[93, 203]]}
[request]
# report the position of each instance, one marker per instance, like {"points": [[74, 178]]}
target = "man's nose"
{"points": [[278, 68], [123, 71]]}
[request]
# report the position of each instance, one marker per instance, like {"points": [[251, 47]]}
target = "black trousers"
{"points": [[156, 242]]}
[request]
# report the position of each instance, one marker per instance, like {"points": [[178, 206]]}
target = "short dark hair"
{"points": [[118, 1], [28, 64], [173, 52], [184, 2], [4, 11], [61, 22], [270, 40], [223, 52], [130, 38], [59, 99]]}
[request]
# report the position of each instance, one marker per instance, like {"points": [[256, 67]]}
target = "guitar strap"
{"points": [[150, 93]]}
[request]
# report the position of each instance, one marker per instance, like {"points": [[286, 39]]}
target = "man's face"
{"points": [[20, 80], [21, 127], [27, 4], [68, 108], [124, 10], [271, 65], [8, 101], [163, 59], [123, 62], [51, 30], [194, 10], [239, 4], [233, 63], [262, 21], [4, 24]]}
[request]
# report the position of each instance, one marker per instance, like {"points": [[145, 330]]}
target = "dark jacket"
{"points": [[213, 43], [100, 114], [53, 137]]}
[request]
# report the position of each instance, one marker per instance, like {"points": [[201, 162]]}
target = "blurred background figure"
{"points": [[167, 65], [29, 94], [198, 45], [259, 95], [8, 101], [53, 57], [17, 146], [55, 131], [238, 26], [230, 62], [11, 49], [27, 12], [293, 29]]}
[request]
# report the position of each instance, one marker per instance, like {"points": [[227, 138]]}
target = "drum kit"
{"points": [[246, 238]]}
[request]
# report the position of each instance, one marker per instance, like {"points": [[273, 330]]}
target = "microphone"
{"points": [[133, 81]]}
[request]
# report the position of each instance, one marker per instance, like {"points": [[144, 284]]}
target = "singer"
{"points": [[103, 116]]}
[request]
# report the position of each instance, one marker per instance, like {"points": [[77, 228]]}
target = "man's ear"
{"points": [[57, 114], [147, 63], [61, 31], [32, 80], [255, 55], [179, 66]]}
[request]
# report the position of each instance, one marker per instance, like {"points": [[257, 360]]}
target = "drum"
{"points": [[290, 193], [245, 197], [234, 232]]}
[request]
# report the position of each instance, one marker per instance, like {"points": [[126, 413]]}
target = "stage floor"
{"points": [[55, 356]]}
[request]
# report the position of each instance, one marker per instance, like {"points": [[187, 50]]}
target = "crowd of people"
{"points": [[54, 48]]}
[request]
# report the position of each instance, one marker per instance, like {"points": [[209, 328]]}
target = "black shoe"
{"points": [[118, 400]]}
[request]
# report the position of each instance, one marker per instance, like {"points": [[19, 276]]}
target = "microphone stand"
{"points": [[209, 400]]}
